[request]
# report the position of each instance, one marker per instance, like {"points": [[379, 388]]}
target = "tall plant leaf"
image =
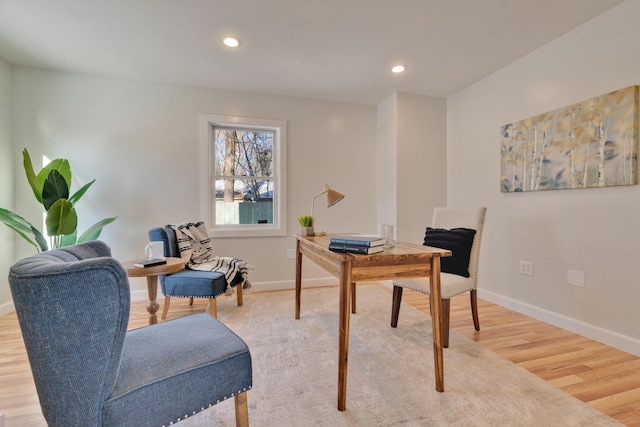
{"points": [[69, 239], [94, 231], [34, 182], [78, 194], [61, 218], [60, 165], [42, 242], [54, 189], [24, 229]]}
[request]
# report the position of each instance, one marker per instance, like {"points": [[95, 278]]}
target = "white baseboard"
{"points": [[613, 339], [7, 308]]}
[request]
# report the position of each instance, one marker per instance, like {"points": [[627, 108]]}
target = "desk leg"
{"points": [[343, 344], [436, 322], [353, 297], [152, 307], [298, 278]]}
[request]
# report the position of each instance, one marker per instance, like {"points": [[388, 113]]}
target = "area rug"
{"points": [[391, 374]]}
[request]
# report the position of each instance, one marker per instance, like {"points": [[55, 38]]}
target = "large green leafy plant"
{"points": [[51, 187]]}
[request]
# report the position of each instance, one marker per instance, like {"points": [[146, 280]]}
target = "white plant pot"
{"points": [[307, 231]]}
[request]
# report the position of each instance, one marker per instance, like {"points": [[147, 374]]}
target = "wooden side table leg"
{"points": [[152, 307]]}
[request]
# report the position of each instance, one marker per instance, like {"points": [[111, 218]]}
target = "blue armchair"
{"points": [[73, 308], [189, 283]]}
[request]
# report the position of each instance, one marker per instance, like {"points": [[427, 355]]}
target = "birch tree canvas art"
{"points": [[593, 143]]}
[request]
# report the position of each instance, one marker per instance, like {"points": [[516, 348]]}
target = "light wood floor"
{"points": [[605, 378]]}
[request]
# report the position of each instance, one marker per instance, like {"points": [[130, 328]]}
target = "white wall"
{"points": [[591, 230], [422, 166], [387, 141], [7, 236], [140, 141], [412, 153]]}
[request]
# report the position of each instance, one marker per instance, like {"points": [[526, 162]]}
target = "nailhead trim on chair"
{"points": [[210, 405], [417, 290], [195, 296], [199, 296]]}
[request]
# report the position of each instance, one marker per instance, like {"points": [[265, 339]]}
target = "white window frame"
{"points": [[207, 173]]}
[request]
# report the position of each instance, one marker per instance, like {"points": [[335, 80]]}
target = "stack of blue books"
{"points": [[357, 244]]}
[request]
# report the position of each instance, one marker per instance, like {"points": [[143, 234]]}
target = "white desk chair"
{"points": [[451, 284]]}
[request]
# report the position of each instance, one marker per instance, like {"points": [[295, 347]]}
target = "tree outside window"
{"points": [[243, 176]]}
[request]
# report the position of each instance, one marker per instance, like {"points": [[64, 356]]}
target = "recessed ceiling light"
{"points": [[231, 42], [398, 68]]}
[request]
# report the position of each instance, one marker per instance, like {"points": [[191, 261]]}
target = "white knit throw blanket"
{"points": [[196, 250]]}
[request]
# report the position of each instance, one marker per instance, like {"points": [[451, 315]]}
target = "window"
{"points": [[243, 164]]}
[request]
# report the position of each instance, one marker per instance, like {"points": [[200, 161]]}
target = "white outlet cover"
{"points": [[526, 268]]}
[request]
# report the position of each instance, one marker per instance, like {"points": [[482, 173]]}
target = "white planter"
{"points": [[307, 231]]}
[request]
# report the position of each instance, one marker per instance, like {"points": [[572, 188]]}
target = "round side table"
{"points": [[151, 273]]}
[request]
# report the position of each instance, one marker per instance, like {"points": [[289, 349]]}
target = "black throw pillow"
{"points": [[458, 241]]}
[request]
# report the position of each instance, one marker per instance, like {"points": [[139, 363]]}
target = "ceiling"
{"points": [[339, 50]]}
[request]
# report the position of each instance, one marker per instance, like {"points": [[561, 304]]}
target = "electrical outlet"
{"points": [[526, 268], [575, 278]]}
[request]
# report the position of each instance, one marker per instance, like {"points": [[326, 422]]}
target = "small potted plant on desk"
{"points": [[306, 222]]}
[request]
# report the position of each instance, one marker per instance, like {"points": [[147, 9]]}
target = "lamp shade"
{"points": [[333, 197]]}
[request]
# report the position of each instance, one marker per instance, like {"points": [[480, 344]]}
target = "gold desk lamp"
{"points": [[333, 197]]}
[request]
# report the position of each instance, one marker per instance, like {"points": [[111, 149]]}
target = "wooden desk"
{"points": [[152, 273], [402, 261]]}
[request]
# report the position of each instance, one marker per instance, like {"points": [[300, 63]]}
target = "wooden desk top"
{"points": [[400, 249], [404, 260], [173, 265]]}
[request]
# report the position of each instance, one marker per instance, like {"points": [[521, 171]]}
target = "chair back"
{"points": [[73, 308], [168, 236], [472, 218]]}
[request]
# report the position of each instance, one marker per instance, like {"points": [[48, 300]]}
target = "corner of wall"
{"points": [[387, 130]]}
